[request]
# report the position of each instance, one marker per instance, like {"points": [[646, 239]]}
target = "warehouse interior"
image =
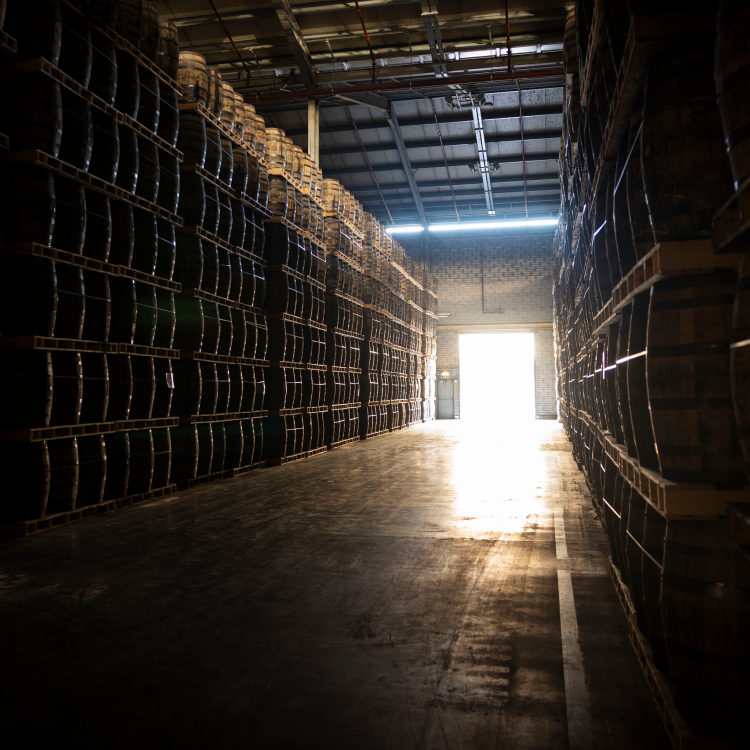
{"points": [[374, 373]]}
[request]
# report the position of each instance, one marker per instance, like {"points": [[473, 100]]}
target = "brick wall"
{"points": [[517, 290]]}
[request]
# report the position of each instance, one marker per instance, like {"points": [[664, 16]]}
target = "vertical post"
{"points": [[313, 130]]}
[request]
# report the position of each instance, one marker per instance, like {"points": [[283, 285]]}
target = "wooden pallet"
{"points": [[296, 457], [296, 228], [8, 45], [278, 172], [226, 417], [680, 732], [340, 443], [297, 275], [224, 359], [216, 240], [35, 434], [336, 215], [370, 435]]}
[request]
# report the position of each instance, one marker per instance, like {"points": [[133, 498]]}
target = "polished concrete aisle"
{"points": [[443, 587]]}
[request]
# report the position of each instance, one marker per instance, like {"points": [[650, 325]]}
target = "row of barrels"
{"points": [[294, 434], [295, 388], [343, 314], [690, 586], [381, 296], [343, 278], [290, 203], [281, 153], [377, 357], [290, 341], [62, 388], [288, 247], [343, 350], [386, 386], [340, 239], [286, 293], [381, 327]]}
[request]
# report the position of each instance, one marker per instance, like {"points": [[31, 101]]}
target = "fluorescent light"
{"points": [[404, 229], [499, 224]]}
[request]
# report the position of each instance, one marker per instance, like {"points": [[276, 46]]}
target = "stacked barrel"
{"points": [[222, 330], [295, 302], [398, 378], [643, 323], [89, 214]]}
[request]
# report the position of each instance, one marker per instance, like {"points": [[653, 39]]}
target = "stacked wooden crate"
{"points": [[650, 386]]}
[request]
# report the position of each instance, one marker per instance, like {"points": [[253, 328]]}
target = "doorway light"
{"points": [[499, 224], [445, 374]]}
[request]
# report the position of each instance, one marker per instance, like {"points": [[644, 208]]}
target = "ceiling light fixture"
{"points": [[467, 226], [404, 229]]}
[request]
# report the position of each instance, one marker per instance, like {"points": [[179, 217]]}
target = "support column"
{"points": [[313, 130]]}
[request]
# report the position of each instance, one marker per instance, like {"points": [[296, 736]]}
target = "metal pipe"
{"points": [[367, 37], [398, 85], [229, 36]]}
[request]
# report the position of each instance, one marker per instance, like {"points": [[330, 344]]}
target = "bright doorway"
{"points": [[496, 376]]}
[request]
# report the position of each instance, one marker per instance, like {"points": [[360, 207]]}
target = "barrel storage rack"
{"points": [[643, 296]]}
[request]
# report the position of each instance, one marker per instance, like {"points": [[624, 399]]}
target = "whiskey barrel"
{"points": [[248, 388], [75, 47], [296, 165], [213, 208], [240, 169], [225, 273], [306, 213], [219, 448], [250, 135], [227, 159], [191, 139], [98, 238], [146, 316], [192, 205], [33, 116], [689, 386], [64, 475], [224, 322], [166, 252], [184, 453], [732, 63], [169, 115], [168, 58], [98, 318], [129, 165], [67, 388], [123, 239], [249, 444], [168, 194], [223, 388], [235, 445], [164, 384], [71, 306], [188, 269], [117, 446], [621, 381], [120, 386], [192, 77], [149, 174], [239, 115], [205, 449], [141, 462], [209, 388], [43, 16], [239, 338], [634, 555], [225, 105], [27, 388], [92, 470], [149, 31], [705, 602], [103, 81], [105, 153], [276, 149], [70, 216], [129, 15], [262, 192], [103, 12], [626, 252], [128, 94], [213, 100], [124, 310], [686, 174], [213, 150], [332, 195], [28, 205], [654, 529], [189, 328], [306, 173], [319, 186], [146, 245], [149, 101], [162, 458], [210, 282], [278, 196], [239, 223], [260, 136], [144, 387], [166, 320]]}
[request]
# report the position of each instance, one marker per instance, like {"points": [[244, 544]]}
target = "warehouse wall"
{"points": [[517, 291]]}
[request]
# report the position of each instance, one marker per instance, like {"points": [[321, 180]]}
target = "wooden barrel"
{"points": [[168, 194], [103, 12], [149, 174], [332, 195], [277, 196], [192, 76], [213, 97], [149, 31], [223, 388], [67, 388], [129, 164], [225, 106], [740, 356], [306, 213], [124, 310], [141, 462], [260, 136], [117, 446], [29, 298], [213, 208], [128, 93], [295, 169], [146, 245], [705, 603], [250, 133], [205, 449], [64, 475], [98, 318], [43, 16], [213, 150], [319, 185], [149, 101], [184, 453], [146, 315], [210, 280], [169, 115], [262, 199], [189, 329], [225, 273], [103, 81], [689, 386], [276, 149], [144, 387], [686, 175], [622, 232], [27, 380], [169, 48], [239, 115], [121, 247], [234, 445], [26, 468], [239, 224], [164, 386], [129, 16], [162, 458], [191, 139], [308, 174], [188, 269], [120, 386], [98, 238], [75, 49], [209, 388], [166, 252], [95, 397], [621, 381], [227, 158], [654, 529], [105, 154], [70, 216], [634, 556], [33, 114], [192, 206], [248, 388], [224, 322]]}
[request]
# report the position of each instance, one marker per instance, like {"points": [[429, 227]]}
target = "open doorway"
{"points": [[497, 376]]}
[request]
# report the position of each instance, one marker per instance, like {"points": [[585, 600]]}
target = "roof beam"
{"points": [[460, 184], [431, 200], [293, 34]]}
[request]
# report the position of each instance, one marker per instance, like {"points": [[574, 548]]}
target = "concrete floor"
{"points": [[441, 587]]}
